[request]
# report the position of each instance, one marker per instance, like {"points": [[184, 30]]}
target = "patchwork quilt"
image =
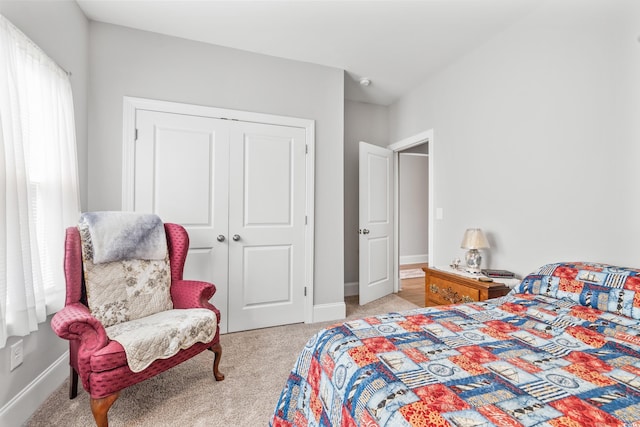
{"points": [[562, 349]]}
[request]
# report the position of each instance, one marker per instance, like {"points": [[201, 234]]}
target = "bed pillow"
{"points": [[605, 287]]}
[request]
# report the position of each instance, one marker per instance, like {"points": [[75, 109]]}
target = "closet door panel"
{"points": [[182, 174], [267, 214], [267, 181]]}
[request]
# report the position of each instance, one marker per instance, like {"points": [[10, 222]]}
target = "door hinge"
{"points": [[305, 291], [135, 136], [306, 220], [306, 148]]}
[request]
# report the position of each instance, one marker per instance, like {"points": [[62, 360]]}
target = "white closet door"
{"points": [[266, 225], [181, 174]]}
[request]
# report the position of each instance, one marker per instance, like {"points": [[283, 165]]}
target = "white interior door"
{"points": [[181, 173], [376, 222], [266, 226]]}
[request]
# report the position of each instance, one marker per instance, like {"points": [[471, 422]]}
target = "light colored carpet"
{"points": [[411, 273], [256, 365]]}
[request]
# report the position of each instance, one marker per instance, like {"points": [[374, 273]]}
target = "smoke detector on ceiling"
{"points": [[365, 81]]}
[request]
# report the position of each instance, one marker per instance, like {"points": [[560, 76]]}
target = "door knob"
{"points": [[220, 238], [365, 231], [236, 237]]}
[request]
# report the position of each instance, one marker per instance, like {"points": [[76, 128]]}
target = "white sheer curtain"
{"points": [[38, 182]]}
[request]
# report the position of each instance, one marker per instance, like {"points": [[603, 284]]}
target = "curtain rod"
{"points": [[68, 73]]}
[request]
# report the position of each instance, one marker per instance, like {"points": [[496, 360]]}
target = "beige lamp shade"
{"points": [[474, 239]]}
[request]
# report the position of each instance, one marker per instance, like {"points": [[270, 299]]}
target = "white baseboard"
{"points": [[414, 259], [19, 409], [351, 289], [328, 312]]}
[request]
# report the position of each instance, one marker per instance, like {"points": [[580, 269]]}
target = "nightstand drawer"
{"points": [[446, 292]]}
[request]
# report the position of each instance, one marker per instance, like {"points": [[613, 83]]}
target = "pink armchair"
{"points": [[102, 363]]}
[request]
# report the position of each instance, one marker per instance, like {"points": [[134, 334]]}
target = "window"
{"points": [[38, 182]]}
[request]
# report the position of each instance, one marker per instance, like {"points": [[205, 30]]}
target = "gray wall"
{"points": [[148, 65], [413, 207], [536, 138], [61, 30], [368, 123]]}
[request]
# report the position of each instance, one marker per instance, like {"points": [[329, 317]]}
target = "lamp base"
{"points": [[473, 259]]}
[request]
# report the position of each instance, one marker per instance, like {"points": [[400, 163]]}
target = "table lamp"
{"points": [[473, 240]]}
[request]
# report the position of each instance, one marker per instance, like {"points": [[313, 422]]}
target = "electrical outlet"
{"points": [[17, 354]]}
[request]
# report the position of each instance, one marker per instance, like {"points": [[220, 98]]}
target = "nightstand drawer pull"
{"points": [[449, 294]]}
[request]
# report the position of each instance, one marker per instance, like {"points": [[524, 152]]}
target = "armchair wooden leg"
{"points": [[73, 383], [100, 408], [217, 354]]}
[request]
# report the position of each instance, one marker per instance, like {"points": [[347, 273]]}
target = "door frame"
{"points": [[132, 104], [396, 147]]}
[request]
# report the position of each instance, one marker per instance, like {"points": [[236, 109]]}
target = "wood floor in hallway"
{"points": [[412, 289]]}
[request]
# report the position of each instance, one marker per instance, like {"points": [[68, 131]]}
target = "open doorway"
{"points": [[415, 150], [413, 221]]}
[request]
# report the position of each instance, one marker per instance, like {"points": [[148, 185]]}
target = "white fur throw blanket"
{"points": [[118, 236]]}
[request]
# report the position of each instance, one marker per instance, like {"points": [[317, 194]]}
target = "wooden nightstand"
{"points": [[442, 288]]}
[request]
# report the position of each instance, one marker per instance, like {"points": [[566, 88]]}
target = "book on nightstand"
{"points": [[505, 274]]}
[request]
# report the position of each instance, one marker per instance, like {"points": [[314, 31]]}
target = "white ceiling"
{"points": [[395, 43]]}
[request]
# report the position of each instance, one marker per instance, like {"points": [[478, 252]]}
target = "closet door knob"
{"points": [[236, 237], [365, 231], [220, 238]]}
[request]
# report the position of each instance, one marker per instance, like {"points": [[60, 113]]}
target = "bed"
{"points": [[562, 349]]}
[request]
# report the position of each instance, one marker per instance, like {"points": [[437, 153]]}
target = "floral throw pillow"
{"points": [[120, 291], [605, 287]]}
